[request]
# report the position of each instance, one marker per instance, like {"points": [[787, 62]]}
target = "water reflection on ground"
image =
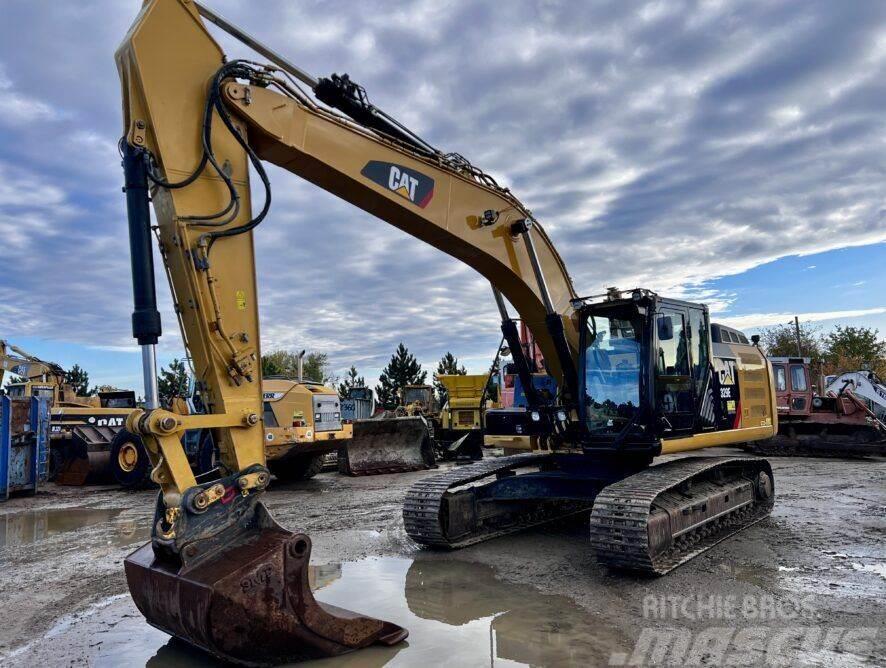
{"points": [[32, 526], [458, 613]]}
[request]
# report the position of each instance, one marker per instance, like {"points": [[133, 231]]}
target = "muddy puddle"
{"points": [[24, 528], [458, 613]]}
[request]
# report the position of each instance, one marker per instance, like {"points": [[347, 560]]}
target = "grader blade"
{"points": [[387, 445], [244, 597]]}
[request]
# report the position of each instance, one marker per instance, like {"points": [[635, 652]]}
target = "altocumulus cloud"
{"points": [[662, 144]]}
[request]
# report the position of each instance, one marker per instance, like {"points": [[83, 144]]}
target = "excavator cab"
{"points": [[647, 374], [644, 370]]}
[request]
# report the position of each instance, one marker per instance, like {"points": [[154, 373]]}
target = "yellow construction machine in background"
{"points": [[303, 423], [462, 417], [88, 436]]}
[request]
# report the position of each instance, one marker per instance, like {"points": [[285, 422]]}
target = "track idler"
{"points": [[234, 583]]}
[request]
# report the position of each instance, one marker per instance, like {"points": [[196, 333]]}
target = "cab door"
{"points": [[674, 387], [800, 395], [782, 390]]}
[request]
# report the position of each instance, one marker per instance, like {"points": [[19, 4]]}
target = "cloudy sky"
{"points": [[728, 151]]}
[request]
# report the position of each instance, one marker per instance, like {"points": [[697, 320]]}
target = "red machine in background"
{"points": [[841, 421]]}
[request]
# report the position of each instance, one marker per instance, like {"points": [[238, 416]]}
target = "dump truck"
{"points": [[634, 369]]}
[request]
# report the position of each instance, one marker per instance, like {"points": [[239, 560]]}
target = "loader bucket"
{"points": [[387, 445], [249, 602], [85, 457]]}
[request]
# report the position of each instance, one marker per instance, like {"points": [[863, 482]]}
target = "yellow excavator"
{"points": [[637, 374]]}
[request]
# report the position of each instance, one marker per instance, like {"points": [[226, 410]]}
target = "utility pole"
{"points": [[797, 330]]}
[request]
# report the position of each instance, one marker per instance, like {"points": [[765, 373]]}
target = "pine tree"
{"points": [[79, 380], [351, 380], [172, 382], [448, 366], [402, 370]]}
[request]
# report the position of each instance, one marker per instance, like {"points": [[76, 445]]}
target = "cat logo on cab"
{"points": [[404, 181]]}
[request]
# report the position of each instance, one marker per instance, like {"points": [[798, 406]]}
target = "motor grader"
{"points": [[634, 370]]}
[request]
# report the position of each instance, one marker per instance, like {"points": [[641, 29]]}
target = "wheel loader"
{"points": [[634, 369], [88, 436], [419, 432], [391, 441]]}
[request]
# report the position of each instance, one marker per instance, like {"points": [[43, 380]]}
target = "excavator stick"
{"points": [[388, 445], [241, 592]]}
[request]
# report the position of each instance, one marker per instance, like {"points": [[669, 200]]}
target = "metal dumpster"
{"points": [[24, 444]]}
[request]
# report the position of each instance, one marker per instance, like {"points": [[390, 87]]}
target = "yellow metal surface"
{"points": [[332, 154], [165, 63], [715, 438], [289, 401], [280, 440], [463, 409], [127, 457], [468, 388], [514, 443]]}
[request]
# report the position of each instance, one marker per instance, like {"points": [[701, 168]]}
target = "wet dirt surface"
{"points": [[804, 587]]}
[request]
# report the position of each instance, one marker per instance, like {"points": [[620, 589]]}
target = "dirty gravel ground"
{"points": [[804, 587]]}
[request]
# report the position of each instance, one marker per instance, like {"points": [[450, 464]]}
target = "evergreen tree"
{"points": [[172, 382], [402, 370], [447, 366], [316, 368], [79, 380], [351, 380]]}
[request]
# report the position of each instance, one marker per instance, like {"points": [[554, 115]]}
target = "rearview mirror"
{"points": [[665, 328]]}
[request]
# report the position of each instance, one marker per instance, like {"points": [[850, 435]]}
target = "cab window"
{"points": [[781, 379], [268, 416], [798, 378], [673, 353], [700, 357]]}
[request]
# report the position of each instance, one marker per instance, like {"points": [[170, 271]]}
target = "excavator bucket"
{"points": [[246, 597], [388, 445]]}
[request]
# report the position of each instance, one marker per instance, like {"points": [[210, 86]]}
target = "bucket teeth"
{"points": [[250, 603]]}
